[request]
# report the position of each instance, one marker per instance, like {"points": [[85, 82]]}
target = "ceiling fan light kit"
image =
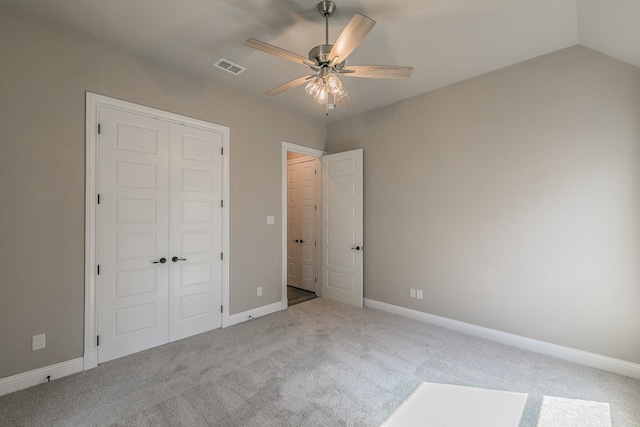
{"points": [[329, 60]]}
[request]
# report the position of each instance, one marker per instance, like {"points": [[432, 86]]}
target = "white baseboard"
{"points": [[234, 319], [37, 376], [593, 360], [90, 359]]}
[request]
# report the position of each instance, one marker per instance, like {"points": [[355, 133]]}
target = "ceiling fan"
{"points": [[328, 61]]}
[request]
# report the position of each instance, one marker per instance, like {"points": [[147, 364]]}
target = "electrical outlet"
{"points": [[419, 294], [412, 293], [37, 342], [259, 291]]}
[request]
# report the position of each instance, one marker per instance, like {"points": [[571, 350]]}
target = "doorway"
{"points": [[302, 223], [300, 216], [340, 224]]}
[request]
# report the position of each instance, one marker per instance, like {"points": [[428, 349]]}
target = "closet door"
{"points": [[302, 223], [294, 225], [159, 232], [309, 226], [195, 289], [133, 223]]}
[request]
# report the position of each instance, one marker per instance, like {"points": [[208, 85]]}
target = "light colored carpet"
{"points": [[320, 363]]}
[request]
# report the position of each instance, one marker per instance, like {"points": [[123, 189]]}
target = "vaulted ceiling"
{"points": [[446, 41]]}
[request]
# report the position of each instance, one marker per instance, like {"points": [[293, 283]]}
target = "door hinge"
{"points": [[315, 171], [99, 129], [315, 280], [221, 255], [98, 269], [97, 340], [222, 151], [98, 199], [221, 309], [222, 203], [315, 207], [315, 243]]}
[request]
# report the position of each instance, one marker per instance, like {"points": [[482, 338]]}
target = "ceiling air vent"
{"points": [[229, 66]]}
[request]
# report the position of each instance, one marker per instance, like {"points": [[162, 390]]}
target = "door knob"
{"points": [[176, 259], [358, 248], [160, 261]]}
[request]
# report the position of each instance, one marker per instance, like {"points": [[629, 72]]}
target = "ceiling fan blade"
{"points": [[289, 85], [350, 38], [276, 51], [377, 71]]}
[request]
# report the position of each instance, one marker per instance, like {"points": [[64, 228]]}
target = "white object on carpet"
{"points": [[559, 411], [445, 405]]}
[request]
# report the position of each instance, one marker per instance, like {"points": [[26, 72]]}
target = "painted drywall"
{"points": [[512, 200], [611, 28], [44, 74]]}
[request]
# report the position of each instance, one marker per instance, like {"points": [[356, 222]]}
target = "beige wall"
{"points": [[512, 199], [44, 74]]}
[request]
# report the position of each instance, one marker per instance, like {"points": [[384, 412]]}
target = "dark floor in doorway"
{"points": [[297, 295]]}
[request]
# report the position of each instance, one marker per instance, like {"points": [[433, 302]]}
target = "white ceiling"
{"points": [[446, 41]]}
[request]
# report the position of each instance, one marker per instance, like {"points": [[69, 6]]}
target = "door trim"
{"points": [[93, 103], [294, 148]]}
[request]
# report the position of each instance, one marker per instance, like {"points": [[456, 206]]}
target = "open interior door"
{"points": [[342, 235]]}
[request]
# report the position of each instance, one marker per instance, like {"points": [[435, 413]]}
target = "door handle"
{"points": [[176, 259], [358, 248], [160, 261]]}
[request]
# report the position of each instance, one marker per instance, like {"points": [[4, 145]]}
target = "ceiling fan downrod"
{"points": [[326, 9], [320, 54]]}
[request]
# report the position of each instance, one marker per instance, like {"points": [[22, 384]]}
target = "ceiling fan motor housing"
{"points": [[320, 54]]}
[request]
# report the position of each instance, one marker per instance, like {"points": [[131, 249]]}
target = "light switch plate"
{"points": [[270, 220], [38, 342]]}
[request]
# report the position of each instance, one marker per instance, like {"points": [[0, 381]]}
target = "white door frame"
{"points": [[294, 148], [93, 102]]}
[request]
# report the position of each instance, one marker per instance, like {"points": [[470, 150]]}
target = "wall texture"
{"points": [[44, 74], [512, 199]]}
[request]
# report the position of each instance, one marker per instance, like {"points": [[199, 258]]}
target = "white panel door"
{"points": [[294, 217], [342, 231], [133, 218], [195, 289], [309, 225], [302, 223]]}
